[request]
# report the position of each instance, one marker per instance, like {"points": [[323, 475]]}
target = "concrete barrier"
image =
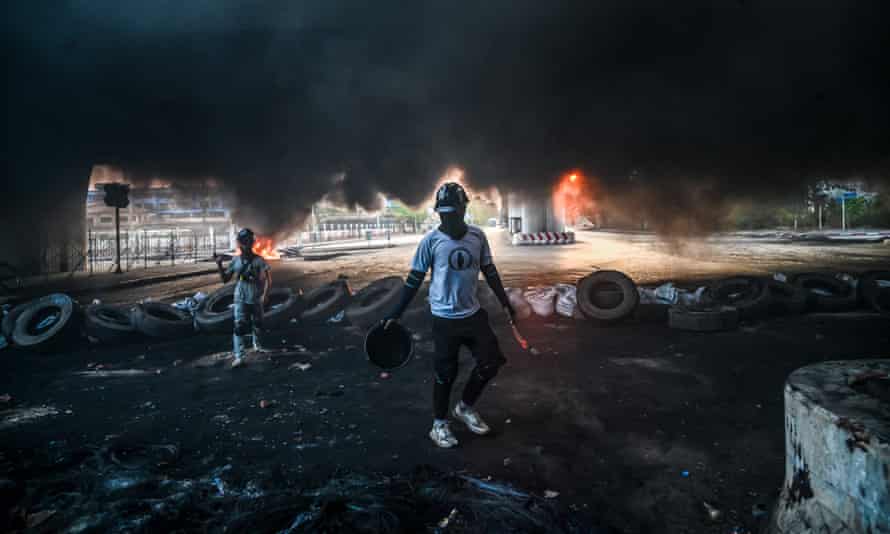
{"points": [[837, 450], [544, 238]]}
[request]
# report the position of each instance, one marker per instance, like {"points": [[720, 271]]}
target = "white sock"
{"points": [[437, 422]]}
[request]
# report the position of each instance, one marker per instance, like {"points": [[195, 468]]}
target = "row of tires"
{"points": [[611, 295], [755, 297], [51, 322]]}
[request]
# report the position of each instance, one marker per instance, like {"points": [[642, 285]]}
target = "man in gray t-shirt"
{"points": [[455, 253], [251, 293]]}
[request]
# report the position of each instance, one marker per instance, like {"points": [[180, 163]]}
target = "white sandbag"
{"points": [[666, 293], [520, 305], [542, 300], [566, 300]]}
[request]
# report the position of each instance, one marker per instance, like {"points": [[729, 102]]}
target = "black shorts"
{"points": [[475, 333]]}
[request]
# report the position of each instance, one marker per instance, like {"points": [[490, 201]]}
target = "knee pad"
{"points": [[488, 371]]}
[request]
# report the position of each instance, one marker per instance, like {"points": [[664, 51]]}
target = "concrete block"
{"points": [[837, 450]]}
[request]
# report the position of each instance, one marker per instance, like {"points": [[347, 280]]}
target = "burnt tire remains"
{"points": [[216, 315], [163, 321], [108, 324], [826, 293], [324, 302], [371, 303], [715, 320], [284, 304], [9, 320], [607, 295], [873, 292], [749, 295], [837, 449], [786, 298], [45, 324]]}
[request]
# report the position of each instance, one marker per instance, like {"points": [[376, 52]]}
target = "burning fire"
{"points": [[265, 247], [573, 197]]}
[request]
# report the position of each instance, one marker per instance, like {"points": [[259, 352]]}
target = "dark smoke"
{"points": [[283, 101]]}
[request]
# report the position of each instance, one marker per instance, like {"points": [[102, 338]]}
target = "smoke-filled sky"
{"points": [[276, 99]]}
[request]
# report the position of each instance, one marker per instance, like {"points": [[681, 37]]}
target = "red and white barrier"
{"points": [[544, 238]]}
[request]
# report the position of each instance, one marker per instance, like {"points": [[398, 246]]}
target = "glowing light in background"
{"points": [[573, 197]]}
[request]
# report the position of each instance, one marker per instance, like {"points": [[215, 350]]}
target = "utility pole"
{"points": [[843, 213], [90, 248], [117, 196]]}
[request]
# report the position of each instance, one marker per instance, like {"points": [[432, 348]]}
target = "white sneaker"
{"points": [[237, 362], [442, 436], [471, 418]]}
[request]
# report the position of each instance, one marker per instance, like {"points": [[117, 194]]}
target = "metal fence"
{"points": [[143, 249]]}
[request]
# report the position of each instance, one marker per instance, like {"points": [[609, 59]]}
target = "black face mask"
{"points": [[246, 252], [453, 224]]}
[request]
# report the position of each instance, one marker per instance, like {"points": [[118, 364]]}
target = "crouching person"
{"points": [[253, 280]]}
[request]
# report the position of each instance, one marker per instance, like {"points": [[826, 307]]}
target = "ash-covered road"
{"points": [[634, 425]]}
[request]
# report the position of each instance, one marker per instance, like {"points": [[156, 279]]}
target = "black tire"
{"points": [[10, 318], [607, 296], [215, 314], [390, 348], [872, 295], [108, 324], [750, 295], [786, 298], [723, 318], [283, 306], [156, 319], [374, 301], [842, 295], [324, 302], [34, 330]]}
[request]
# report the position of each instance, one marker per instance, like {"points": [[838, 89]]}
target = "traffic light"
{"points": [[117, 195]]}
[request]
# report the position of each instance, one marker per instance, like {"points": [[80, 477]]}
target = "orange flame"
{"points": [[265, 247], [573, 197]]}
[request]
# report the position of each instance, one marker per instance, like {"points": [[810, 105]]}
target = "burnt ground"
{"points": [[634, 425], [609, 417]]}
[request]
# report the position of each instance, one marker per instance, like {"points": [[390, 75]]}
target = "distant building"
{"points": [[162, 209]]}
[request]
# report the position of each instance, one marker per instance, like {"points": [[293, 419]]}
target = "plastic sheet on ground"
{"points": [[542, 300], [337, 317], [191, 304], [669, 294]]}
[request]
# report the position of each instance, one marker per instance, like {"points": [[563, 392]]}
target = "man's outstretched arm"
{"points": [[490, 272]]}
